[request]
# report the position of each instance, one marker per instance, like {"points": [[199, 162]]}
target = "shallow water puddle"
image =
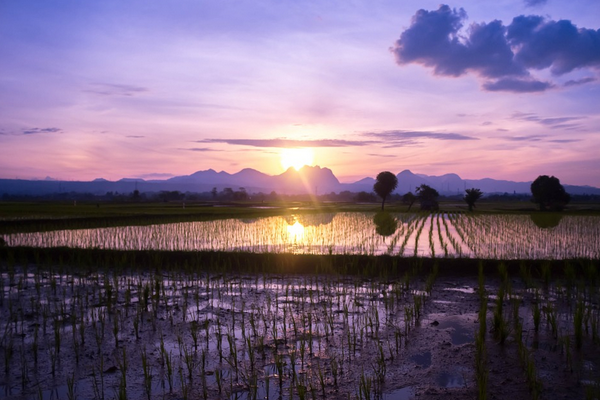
{"points": [[406, 393], [460, 332], [449, 380], [465, 290], [422, 359]]}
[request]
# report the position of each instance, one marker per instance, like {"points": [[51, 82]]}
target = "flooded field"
{"points": [[122, 333], [502, 237]]}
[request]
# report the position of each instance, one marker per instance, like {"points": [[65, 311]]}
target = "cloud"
{"points": [[534, 3], [564, 140], [200, 149], [516, 85], [400, 135], [433, 40], [135, 136], [390, 138], [111, 89], [287, 143], [35, 131], [558, 45], [382, 155], [553, 123], [579, 81], [529, 138], [503, 56]]}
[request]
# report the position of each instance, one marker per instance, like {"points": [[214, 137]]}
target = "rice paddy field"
{"points": [[346, 305]]}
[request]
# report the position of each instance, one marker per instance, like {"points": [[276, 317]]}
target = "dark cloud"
{"points": [[516, 85], [400, 135], [35, 131], [558, 45], [433, 40], [535, 3], [502, 55], [287, 143], [580, 81], [135, 136]]}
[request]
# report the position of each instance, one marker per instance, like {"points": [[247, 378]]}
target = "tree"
{"points": [[427, 197], [471, 196], [409, 198], [227, 193], [386, 183], [364, 197], [549, 193], [135, 196]]}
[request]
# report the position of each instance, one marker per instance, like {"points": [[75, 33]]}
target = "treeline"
{"points": [[228, 194]]}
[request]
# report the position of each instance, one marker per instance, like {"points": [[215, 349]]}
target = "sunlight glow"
{"points": [[295, 232], [296, 158]]}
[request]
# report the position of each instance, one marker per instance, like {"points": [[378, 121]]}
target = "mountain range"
{"points": [[306, 180]]}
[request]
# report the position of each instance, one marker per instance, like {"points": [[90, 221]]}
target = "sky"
{"points": [[505, 89]]}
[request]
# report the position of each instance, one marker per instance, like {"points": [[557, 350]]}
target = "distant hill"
{"points": [[307, 180], [450, 184]]}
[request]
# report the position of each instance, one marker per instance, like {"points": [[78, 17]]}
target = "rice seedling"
{"points": [[147, 369], [578, 323], [71, 387]]}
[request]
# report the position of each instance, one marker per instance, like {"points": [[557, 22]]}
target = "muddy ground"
{"points": [[174, 335]]}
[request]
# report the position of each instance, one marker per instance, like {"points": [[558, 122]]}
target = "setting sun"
{"points": [[296, 158]]}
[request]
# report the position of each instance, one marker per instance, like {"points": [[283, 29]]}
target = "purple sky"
{"points": [[507, 89]]}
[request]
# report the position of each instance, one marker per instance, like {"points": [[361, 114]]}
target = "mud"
{"points": [[174, 335]]}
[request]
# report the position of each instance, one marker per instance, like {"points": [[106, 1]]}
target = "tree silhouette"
{"points": [[471, 196], [549, 193], [385, 224], [386, 183], [546, 220], [427, 197], [409, 198]]}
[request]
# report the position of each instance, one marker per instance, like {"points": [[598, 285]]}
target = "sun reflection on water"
{"points": [[295, 231]]}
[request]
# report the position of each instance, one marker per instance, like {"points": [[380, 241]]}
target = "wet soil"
{"points": [[173, 335]]}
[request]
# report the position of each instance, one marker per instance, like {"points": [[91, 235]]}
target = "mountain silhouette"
{"points": [[315, 180]]}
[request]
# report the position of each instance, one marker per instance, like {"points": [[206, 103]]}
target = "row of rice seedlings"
{"points": [[526, 355], [131, 304], [481, 369], [517, 237], [457, 248], [486, 236]]}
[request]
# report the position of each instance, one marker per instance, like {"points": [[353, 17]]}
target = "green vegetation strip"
{"points": [[244, 262]]}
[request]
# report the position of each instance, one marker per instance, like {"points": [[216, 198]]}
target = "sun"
{"points": [[296, 158]]}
